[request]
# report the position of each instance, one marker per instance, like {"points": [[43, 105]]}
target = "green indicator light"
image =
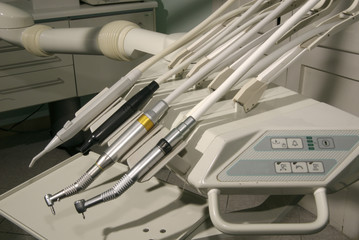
{"points": [[310, 145], [310, 141], [311, 148], [309, 137]]}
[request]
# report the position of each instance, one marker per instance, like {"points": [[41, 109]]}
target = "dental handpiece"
{"points": [[119, 117], [88, 113], [163, 147], [112, 154]]}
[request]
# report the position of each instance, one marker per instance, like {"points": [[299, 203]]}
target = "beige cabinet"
{"points": [[27, 80]]}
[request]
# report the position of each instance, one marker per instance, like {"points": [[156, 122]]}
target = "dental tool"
{"points": [[107, 96], [140, 127], [119, 117], [87, 113], [137, 130], [165, 145]]}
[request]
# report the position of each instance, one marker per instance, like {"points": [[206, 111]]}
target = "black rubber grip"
{"points": [[120, 116], [164, 146]]}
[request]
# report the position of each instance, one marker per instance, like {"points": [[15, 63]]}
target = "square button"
{"points": [[279, 143], [326, 143], [295, 143], [282, 167], [315, 167], [299, 167]]}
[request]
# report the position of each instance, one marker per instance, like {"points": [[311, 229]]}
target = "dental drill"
{"points": [[112, 154], [163, 147]]}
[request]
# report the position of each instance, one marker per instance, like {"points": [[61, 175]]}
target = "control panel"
{"points": [[292, 155]]}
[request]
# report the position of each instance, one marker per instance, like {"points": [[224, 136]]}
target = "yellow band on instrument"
{"points": [[145, 121], [99, 166]]}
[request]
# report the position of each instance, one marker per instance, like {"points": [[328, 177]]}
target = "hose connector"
{"points": [[111, 39], [30, 39], [156, 112]]}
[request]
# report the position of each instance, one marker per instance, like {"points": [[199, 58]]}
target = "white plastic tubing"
{"points": [[70, 40], [267, 60], [117, 40], [227, 52], [186, 38], [203, 50], [206, 103]]}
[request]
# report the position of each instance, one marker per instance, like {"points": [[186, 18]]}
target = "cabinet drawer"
{"points": [[16, 60], [38, 87]]}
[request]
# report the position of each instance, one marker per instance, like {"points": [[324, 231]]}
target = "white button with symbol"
{"points": [[282, 167], [299, 167], [279, 143], [326, 143], [315, 167], [295, 143]]}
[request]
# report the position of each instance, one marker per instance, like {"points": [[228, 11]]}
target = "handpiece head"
{"points": [[80, 206], [50, 203]]}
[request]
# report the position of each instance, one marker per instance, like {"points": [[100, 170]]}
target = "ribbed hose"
{"points": [[120, 187], [82, 183]]}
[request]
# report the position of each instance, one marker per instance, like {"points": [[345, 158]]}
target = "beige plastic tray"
{"points": [[150, 210]]}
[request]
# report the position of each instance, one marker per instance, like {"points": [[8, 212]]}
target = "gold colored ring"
{"points": [[99, 166], [145, 121]]}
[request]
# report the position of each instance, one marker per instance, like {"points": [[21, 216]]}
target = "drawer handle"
{"points": [[32, 86], [30, 63]]}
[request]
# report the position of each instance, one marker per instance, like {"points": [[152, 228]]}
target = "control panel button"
{"points": [[326, 143], [282, 167], [279, 143], [295, 143], [315, 167], [299, 167]]}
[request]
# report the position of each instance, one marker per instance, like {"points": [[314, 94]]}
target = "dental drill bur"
{"points": [[112, 154], [163, 147]]}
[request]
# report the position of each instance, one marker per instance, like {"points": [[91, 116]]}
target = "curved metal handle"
{"points": [[270, 228]]}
